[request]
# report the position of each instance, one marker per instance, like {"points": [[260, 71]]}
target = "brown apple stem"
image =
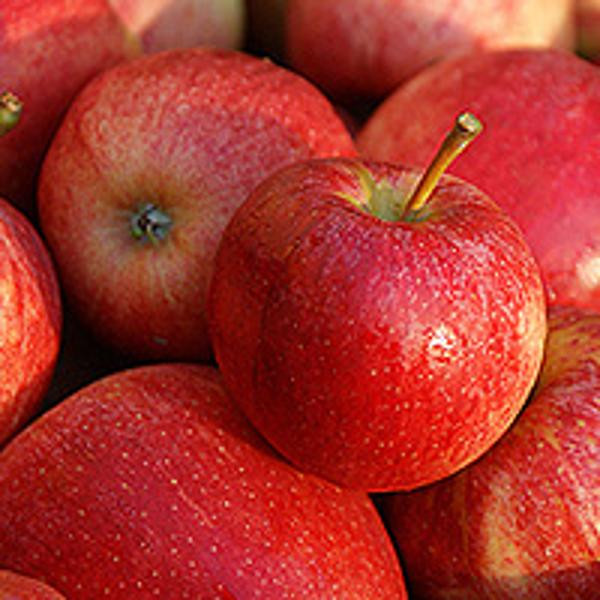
{"points": [[10, 111], [466, 128]]}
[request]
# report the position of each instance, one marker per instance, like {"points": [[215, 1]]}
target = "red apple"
{"points": [[30, 320], [379, 344], [521, 523], [540, 159], [18, 587], [49, 49], [165, 24], [150, 482], [367, 47], [149, 164]]}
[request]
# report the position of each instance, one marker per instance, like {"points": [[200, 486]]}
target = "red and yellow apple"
{"points": [[14, 586], [30, 320], [150, 162], [378, 335], [49, 49]]}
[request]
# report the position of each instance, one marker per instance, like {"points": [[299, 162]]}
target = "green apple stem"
{"points": [[150, 223], [466, 128], [10, 111]]}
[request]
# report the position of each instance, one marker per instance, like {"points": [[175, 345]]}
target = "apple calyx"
{"points": [[150, 223], [11, 108], [466, 128]]}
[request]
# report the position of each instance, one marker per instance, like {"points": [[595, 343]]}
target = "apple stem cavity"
{"points": [[466, 128], [150, 223], [11, 108]]}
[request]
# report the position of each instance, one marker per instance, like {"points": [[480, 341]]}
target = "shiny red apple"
{"points": [[378, 335], [151, 483], [539, 159], [150, 162], [49, 49], [30, 320], [521, 523]]}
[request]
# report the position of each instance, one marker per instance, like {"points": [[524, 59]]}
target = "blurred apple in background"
{"points": [[49, 49], [365, 48], [18, 587], [373, 342], [147, 168], [30, 320], [165, 24], [151, 483], [522, 522], [539, 159]]}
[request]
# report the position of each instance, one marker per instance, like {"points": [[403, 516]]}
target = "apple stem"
{"points": [[10, 111], [466, 128], [150, 223]]}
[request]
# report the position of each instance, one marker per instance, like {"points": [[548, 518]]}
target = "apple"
{"points": [[30, 320], [539, 160], [522, 522], [18, 587], [150, 482], [366, 48], [150, 162], [164, 24], [49, 49], [587, 28], [379, 335]]}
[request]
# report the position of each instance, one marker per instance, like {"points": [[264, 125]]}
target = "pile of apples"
{"points": [[300, 299]]}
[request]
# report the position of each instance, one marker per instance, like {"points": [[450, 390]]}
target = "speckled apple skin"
{"points": [[192, 131], [381, 355], [521, 523], [538, 158], [18, 587], [30, 320], [151, 483], [49, 49], [366, 48]]}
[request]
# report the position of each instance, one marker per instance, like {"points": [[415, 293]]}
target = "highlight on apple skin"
{"points": [[522, 522]]}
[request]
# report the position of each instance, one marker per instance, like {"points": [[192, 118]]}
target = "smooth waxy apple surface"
{"points": [[30, 320], [538, 158], [152, 483], [150, 162], [49, 49], [521, 523], [366, 48], [377, 350]]}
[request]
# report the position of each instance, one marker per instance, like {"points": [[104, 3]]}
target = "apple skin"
{"points": [[538, 158], [380, 355], [165, 24], [366, 48], [192, 131], [18, 587], [30, 320], [150, 482], [49, 49], [522, 522]]}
